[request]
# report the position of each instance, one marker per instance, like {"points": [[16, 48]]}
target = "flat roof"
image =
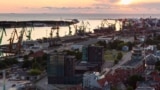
{"points": [[88, 42], [132, 62]]}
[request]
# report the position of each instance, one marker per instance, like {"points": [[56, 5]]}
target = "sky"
{"points": [[81, 6]]}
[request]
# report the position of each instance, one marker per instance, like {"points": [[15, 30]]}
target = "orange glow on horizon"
{"points": [[126, 2], [36, 6]]}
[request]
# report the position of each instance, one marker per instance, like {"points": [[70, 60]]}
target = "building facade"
{"points": [[61, 69]]}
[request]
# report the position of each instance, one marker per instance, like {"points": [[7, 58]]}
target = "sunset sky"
{"points": [[80, 6]]}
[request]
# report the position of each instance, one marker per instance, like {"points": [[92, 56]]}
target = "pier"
{"points": [[37, 23]]}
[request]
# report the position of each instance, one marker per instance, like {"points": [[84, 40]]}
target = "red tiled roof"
{"points": [[154, 73], [102, 81]]}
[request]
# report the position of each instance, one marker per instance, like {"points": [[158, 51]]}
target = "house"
{"points": [[151, 60]]}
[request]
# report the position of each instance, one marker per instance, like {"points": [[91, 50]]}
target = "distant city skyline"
{"points": [[81, 6]]}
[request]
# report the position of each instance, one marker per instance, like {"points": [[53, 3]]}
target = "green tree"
{"points": [[116, 61], [102, 43], [130, 88], [157, 65], [34, 72], [27, 64], [130, 45], [2, 65], [132, 80], [119, 56], [75, 53]]}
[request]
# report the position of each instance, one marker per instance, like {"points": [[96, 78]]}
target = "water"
{"points": [[18, 17], [40, 32]]}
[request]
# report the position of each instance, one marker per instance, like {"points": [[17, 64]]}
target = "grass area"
{"points": [[110, 55]]}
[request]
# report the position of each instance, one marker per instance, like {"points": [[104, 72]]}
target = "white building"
{"points": [[90, 80]]}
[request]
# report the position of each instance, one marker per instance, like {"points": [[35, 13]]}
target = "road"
{"points": [[125, 58], [43, 85]]}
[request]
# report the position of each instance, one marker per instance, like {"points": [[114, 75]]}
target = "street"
{"points": [[125, 58]]}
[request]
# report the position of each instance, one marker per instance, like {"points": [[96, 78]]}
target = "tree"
{"points": [[75, 53], [34, 72], [102, 43], [2, 65], [27, 64], [157, 65], [130, 45], [132, 80], [130, 88], [119, 56], [116, 61]]}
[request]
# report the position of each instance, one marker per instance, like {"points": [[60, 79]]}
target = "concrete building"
{"points": [[96, 54], [90, 80], [94, 81], [61, 69], [86, 43], [151, 61]]}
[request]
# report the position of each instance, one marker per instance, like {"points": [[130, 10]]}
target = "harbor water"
{"points": [[40, 32]]}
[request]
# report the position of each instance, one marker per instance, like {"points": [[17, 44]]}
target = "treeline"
{"points": [[116, 44], [6, 63]]}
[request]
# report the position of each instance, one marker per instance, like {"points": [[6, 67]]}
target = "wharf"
{"points": [[37, 23]]}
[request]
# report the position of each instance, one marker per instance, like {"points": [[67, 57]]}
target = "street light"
{"points": [[4, 80]]}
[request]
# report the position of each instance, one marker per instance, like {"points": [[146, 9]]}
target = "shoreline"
{"points": [[37, 23]]}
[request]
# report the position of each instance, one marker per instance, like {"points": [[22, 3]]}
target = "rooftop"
{"points": [[151, 59], [88, 42], [132, 62], [145, 88]]}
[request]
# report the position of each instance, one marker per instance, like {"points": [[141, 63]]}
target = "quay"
{"points": [[37, 23]]}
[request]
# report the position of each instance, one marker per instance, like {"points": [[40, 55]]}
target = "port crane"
{"points": [[2, 31], [53, 29], [70, 32], [76, 28], [29, 32], [20, 39], [51, 33], [11, 39], [82, 28]]}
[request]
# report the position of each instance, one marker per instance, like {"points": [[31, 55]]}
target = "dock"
{"points": [[37, 23]]}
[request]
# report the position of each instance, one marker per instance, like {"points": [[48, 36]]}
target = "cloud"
{"points": [[101, 6]]}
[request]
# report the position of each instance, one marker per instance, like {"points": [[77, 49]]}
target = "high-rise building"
{"points": [[84, 54], [96, 54], [55, 67], [69, 66], [61, 69]]}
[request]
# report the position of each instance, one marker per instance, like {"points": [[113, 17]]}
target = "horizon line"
{"points": [[90, 13]]}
